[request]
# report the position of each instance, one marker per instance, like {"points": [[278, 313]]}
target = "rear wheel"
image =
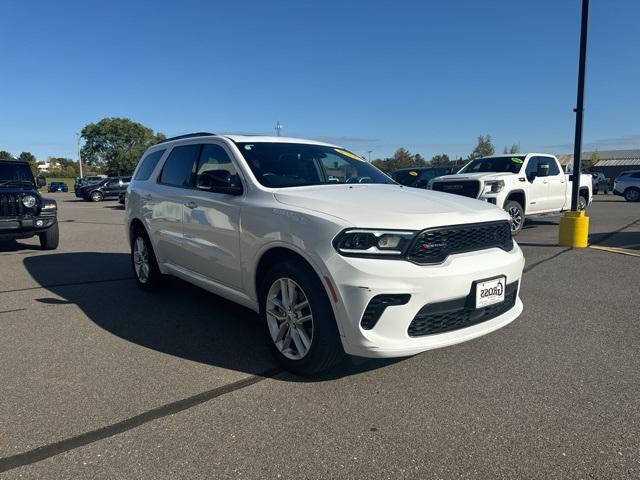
{"points": [[300, 326], [516, 212], [144, 263], [632, 194], [582, 203], [50, 238]]}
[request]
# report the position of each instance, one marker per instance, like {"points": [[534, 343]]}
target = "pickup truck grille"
{"points": [[466, 188], [434, 245], [11, 205], [459, 313]]}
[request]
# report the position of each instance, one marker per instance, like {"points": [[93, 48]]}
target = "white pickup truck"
{"points": [[523, 185]]}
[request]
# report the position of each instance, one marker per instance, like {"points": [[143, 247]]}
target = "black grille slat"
{"points": [[466, 188], [11, 205], [453, 315], [436, 244]]}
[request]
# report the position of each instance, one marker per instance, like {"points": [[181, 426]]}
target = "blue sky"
{"points": [[428, 75]]}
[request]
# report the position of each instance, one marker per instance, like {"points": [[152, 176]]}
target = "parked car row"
{"points": [[103, 189]]}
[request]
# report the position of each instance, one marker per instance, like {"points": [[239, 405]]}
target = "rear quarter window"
{"points": [[148, 165]]}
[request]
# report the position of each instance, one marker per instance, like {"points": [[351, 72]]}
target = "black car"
{"points": [[108, 188], [419, 177], [80, 183], [23, 211]]}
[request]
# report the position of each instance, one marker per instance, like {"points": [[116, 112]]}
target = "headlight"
{"points": [[493, 186], [29, 201], [364, 243]]}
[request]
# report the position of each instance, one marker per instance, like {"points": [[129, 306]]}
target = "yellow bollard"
{"points": [[574, 230]]}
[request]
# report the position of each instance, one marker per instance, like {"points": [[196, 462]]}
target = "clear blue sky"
{"points": [[428, 75]]}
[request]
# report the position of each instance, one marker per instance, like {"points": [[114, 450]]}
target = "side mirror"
{"points": [[42, 182], [543, 170], [218, 181]]}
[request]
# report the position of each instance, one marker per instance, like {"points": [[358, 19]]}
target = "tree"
{"points": [[402, 158], [116, 144], [31, 159], [484, 148], [587, 164], [441, 160], [4, 155], [514, 149]]}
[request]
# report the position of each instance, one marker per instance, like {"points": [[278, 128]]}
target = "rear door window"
{"points": [[179, 169]]}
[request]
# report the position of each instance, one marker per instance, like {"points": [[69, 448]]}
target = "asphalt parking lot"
{"points": [[101, 380]]}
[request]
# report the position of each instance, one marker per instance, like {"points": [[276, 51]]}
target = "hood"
{"points": [[474, 176], [390, 206]]}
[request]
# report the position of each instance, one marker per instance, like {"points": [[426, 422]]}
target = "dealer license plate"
{"points": [[489, 292]]}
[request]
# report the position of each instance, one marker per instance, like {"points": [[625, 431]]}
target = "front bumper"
{"points": [[358, 280], [25, 227]]}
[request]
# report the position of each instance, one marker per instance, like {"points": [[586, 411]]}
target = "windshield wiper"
{"points": [[15, 182]]}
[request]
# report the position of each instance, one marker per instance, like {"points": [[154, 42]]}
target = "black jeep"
{"points": [[23, 211]]}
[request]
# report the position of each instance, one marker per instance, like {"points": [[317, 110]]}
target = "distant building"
{"points": [[610, 162], [48, 166]]}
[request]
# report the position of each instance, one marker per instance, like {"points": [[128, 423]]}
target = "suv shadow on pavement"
{"points": [[181, 319]]}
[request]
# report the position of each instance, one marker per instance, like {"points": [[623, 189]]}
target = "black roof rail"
{"points": [[188, 135]]}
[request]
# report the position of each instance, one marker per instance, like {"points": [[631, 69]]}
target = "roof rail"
{"points": [[188, 135]]}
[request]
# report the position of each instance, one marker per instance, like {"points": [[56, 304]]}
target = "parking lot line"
{"points": [[621, 251]]}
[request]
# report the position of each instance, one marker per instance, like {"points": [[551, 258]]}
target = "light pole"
{"points": [[369, 154], [574, 226], [79, 157]]}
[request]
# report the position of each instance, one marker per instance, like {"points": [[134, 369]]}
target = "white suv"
{"points": [[627, 185], [334, 255]]}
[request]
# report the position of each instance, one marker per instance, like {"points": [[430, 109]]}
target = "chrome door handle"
{"points": [[191, 205], [544, 181], [146, 197]]}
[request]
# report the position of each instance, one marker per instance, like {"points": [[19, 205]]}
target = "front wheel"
{"points": [[96, 196], [632, 194], [300, 325], [516, 212], [50, 238]]}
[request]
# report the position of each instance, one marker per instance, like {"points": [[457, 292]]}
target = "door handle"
{"points": [[146, 197], [191, 205], [544, 181]]}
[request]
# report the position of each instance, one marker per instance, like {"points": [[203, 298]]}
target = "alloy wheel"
{"points": [[96, 197], [632, 195], [289, 318], [516, 218], [582, 204], [141, 260]]}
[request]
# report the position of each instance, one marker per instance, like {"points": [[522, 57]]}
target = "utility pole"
{"points": [[574, 225], [369, 154], [79, 157], [278, 128], [577, 148]]}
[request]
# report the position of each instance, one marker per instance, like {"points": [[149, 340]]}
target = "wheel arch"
{"points": [[518, 196]]}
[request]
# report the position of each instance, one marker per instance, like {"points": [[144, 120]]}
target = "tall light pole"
{"points": [[369, 155], [79, 157], [278, 128], [574, 225]]}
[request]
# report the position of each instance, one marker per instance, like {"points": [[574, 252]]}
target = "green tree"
{"points": [[4, 155], [116, 144], [441, 160], [31, 159], [484, 148], [514, 149], [402, 158]]}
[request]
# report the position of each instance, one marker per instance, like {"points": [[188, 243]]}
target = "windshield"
{"points": [[281, 165], [15, 172], [511, 164]]}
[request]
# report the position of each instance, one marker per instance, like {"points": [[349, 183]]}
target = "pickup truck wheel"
{"points": [[515, 211], [582, 203], [301, 329], [144, 263], [632, 194], [50, 239]]}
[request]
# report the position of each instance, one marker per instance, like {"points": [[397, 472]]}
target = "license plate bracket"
{"points": [[489, 291]]}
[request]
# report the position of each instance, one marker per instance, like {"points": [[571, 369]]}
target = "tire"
{"points": [[50, 238], [306, 346], [516, 212], [582, 203], [632, 194], [96, 196], [143, 262]]}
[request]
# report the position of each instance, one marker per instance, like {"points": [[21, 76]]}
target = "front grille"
{"points": [[460, 313], [466, 188], [436, 244], [11, 205]]}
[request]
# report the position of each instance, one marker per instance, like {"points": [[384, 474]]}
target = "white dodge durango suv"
{"points": [[334, 255]]}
